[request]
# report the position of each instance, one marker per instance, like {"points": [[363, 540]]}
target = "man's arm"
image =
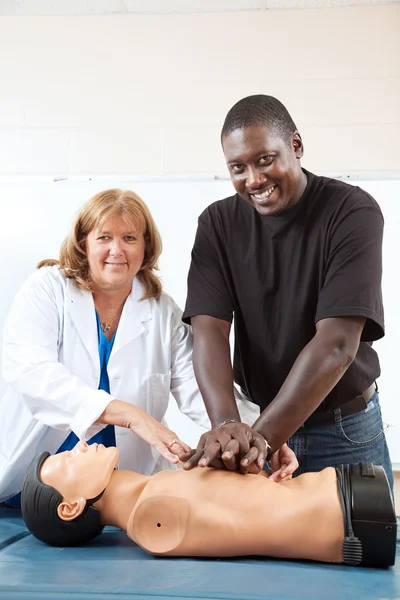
{"points": [[209, 309], [349, 306], [316, 371], [213, 368]]}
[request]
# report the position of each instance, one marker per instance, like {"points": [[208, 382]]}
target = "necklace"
{"points": [[106, 325]]}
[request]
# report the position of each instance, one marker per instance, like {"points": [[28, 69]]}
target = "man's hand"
{"points": [[234, 446], [283, 464]]}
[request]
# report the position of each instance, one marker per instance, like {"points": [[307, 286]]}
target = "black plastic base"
{"points": [[373, 515]]}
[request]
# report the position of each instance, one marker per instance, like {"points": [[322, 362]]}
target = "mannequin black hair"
{"points": [[39, 503]]}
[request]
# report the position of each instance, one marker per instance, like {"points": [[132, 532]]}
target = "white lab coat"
{"points": [[51, 365]]}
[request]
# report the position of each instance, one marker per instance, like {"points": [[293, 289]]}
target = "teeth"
{"points": [[265, 194]]}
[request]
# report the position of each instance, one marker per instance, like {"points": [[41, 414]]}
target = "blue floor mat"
{"points": [[114, 567]]}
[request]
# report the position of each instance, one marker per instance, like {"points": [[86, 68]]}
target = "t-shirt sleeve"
{"points": [[353, 271], [208, 293]]}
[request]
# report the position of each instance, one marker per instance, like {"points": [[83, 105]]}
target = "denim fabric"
{"points": [[356, 438]]}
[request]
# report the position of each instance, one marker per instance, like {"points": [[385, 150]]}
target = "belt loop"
{"points": [[337, 414]]}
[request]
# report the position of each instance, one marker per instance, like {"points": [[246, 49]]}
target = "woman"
{"points": [[93, 348]]}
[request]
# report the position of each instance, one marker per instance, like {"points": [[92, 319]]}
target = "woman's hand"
{"points": [[159, 437], [148, 429]]}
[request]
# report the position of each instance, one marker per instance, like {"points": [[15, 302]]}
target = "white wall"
{"points": [[148, 94]]}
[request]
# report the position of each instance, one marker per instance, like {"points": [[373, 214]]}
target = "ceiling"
{"points": [[122, 7]]}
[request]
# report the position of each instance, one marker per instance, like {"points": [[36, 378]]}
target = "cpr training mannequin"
{"points": [[69, 497]]}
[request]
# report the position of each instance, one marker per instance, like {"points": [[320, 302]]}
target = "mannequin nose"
{"points": [[81, 446]]}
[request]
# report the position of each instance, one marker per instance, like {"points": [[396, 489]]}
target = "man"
{"points": [[338, 516], [296, 259]]}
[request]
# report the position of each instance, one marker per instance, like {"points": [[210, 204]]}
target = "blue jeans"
{"points": [[356, 438]]}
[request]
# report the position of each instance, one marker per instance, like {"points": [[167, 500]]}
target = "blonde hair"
{"points": [[131, 208]]}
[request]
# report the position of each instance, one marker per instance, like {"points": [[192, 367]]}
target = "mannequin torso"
{"points": [[203, 512]]}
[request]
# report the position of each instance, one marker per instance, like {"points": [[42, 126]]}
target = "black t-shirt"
{"points": [[279, 275]]}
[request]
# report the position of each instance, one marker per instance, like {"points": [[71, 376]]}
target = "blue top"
{"points": [[107, 435]]}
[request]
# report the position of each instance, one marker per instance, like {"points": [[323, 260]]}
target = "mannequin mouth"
{"points": [[96, 447]]}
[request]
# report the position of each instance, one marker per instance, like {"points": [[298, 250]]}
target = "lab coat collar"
{"points": [[134, 314], [83, 315]]}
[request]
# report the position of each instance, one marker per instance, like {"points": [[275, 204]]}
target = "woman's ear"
{"points": [[68, 511]]}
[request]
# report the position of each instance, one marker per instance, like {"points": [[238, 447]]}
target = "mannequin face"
{"points": [[79, 475]]}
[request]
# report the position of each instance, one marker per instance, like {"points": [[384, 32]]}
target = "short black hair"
{"points": [[259, 110], [39, 503]]}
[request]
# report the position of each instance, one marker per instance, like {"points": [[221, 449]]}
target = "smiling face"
{"points": [[81, 473], [264, 168], [115, 253]]}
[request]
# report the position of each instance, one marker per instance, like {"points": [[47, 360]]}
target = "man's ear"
{"points": [[68, 511], [297, 144]]}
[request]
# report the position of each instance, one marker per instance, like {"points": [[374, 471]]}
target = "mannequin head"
{"points": [[60, 490]]}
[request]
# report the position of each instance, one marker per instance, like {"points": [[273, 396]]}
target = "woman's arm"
{"points": [[31, 365], [52, 394], [146, 427]]}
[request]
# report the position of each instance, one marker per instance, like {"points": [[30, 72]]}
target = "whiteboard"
{"points": [[36, 216]]}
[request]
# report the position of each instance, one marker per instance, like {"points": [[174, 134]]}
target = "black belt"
{"points": [[356, 405]]}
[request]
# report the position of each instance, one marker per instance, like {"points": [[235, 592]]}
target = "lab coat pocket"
{"points": [[160, 389]]}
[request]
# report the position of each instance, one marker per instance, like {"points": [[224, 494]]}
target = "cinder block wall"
{"points": [[147, 94]]}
